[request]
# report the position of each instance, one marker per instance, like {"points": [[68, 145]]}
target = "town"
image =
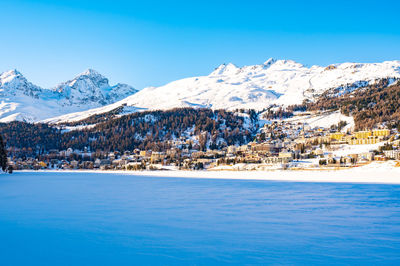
{"points": [[279, 144]]}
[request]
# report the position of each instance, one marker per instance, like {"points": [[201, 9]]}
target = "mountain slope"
{"points": [[257, 87], [370, 105], [276, 82], [24, 101], [154, 130]]}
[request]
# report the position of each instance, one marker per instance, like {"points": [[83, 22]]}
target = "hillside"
{"points": [[276, 82], [258, 87], [145, 130], [23, 101], [369, 105]]}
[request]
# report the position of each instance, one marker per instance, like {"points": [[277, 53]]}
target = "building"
{"points": [[392, 154], [263, 147], [360, 141], [362, 134], [157, 157], [74, 164], [367, 137], [277, 160], [381, 132], [231, 149], [287, 155], [336, 136]]}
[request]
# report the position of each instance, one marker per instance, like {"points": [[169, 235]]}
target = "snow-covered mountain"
{"points": [[22, 100], [280, 82]]}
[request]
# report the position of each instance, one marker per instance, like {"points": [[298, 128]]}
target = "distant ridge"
{"points": [[275, 82], [22, 100]]}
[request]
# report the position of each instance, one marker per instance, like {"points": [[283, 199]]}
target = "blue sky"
{"points": [[150, 43]]}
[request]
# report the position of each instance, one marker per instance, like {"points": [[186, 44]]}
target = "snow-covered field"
{"points": [[345, 149], [324, 120], [376, 172]]}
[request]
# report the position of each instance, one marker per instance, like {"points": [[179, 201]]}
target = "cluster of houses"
{"points": [[293, 145], [357, 138], [279, 144]]}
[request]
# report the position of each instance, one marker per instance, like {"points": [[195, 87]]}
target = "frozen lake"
{"points": [[115, 219]]}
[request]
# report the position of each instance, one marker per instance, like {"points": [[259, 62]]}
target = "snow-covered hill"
{"points": [[280, 82], [22, 100]]}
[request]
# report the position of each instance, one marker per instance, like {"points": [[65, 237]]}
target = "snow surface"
{"points": [[346, 149], [324, 120], [257, 87], [375, 172], [24, 101], [276, 82]]}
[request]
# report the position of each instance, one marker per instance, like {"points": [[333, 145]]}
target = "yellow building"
{"points": [[381, 132], [362, 134], [337, 135], [145, 153], [288, 155], [360, 141], [157, 156], [368, 137], [42, 164]]}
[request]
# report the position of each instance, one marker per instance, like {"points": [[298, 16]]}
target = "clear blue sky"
{"points": [[149, 43]]}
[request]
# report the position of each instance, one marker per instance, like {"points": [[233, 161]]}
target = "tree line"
{"points": [[370, 105], [149, 130]]}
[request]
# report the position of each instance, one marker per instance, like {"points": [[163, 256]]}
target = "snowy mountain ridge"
{"points": [[22, 100], [275, 82], [281, 82], [13, 81]]}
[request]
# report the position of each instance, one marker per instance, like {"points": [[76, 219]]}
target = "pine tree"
{"points": [[3, 155]]}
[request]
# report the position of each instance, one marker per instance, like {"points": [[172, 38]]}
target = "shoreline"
{"points": [[374, 173]]}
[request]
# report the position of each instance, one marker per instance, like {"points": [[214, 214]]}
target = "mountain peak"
{"points": [[92, 87], [270, 61], [12, 72], [25, 100], [287, 63], [224, 69], [10, 76], [89, 72], [89, 79]]}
